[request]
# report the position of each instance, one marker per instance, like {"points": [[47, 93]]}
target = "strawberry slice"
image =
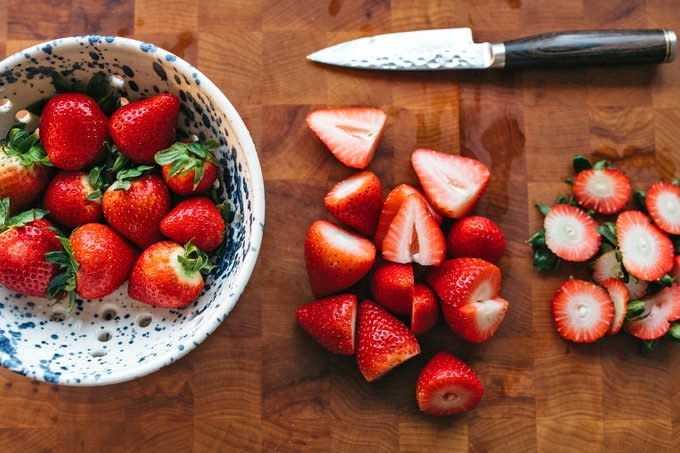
{"points": [[414, 236], [392, 287], [448, 386], [582, 311], [606, 190], [331, 322], [661, 308], [663, 204], [618, 293], [393, 202], [425, 310], [647, 252], [452, 183], [336, 259], [571, 234], [356, 202], [383, 342], [351, 134], [608, 266], [479, 321]]}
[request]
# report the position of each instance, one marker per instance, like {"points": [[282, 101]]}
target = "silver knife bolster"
{"points": [[497, 55]]}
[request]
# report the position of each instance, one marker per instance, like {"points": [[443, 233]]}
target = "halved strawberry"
{"points": [[425, 309], [663, 204], [608, 266], [571, 234], [661, 308], [356, 202], [582, 311], [453, 184], [414, 236], [619, 295], [647, 253], [331, 322], [392, 287], [605, 190], [351, 134]]}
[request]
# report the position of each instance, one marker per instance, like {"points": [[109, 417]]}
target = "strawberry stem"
{"points": [[124, 177], [64, 282], [636, 310], [194, 260], [184, 157]]}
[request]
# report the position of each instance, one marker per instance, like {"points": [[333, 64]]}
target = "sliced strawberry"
{"points": [[425, 309], [392, 287], [414, 236], [356, 202], [477, 322], [661, 308], [571, 234], [605, 190], [351, 134], [618, 293], [608, 266], [452, 183], [331, 322], [663, 204], [582, 311], [647, 252]]}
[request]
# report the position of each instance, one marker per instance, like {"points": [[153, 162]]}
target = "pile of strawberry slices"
{"points": [[101, 193], [634, 253], [398, 248]]}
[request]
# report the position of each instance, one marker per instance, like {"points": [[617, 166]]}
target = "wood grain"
{"points": [[259, 383]]}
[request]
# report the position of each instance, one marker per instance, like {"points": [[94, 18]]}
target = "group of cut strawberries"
{"points": [[100, 211], [635, 257], [412, 279]]}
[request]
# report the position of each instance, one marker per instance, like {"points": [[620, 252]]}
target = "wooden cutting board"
{"points": [[258, 383]]}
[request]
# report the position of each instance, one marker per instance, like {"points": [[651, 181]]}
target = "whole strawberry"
{"points": [[142, 128], [168, 275], [73, 131], [476, 237], [24, 241], [189, 168], [74, 198], [135, 204], [198, 220]]}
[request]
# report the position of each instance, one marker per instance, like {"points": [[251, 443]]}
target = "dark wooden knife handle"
{"points": [[591, 47]]}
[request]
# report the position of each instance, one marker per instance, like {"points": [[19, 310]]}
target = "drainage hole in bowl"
{"points": [[5, 105], [58, 315], [23, 116], [108, 314], [98, 353], [104, 337], [144, 320]]}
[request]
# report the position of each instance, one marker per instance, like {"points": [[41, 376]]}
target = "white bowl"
{"points": [[105, 341]]}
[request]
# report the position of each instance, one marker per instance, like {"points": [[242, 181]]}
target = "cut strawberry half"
{"points": [[605, 190], [647, 253], [582, 311], [331, 322], [571, 234], [392, 287], [663, 204], [661, 308], [356, 202], [452, 183], [351, 134], [618, 293], [608, 266], [414, 236], [479, 321], [425, 309]]}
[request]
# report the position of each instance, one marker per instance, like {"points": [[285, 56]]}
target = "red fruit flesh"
{"points": [[356, 202], [660, 309], [66, 200], [571, 234], [582, 311], [196, 219], [477, 237], [663, 204], [425, 310], [647, 252], [184, 184], [392, 287], [331, 322], [606, 190]]}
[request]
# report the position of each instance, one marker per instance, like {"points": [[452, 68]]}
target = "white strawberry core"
{"points": [[668, 205], [584, 312], [488, 312], [347, 187], [193, 279], [565, 231], [600, 186], [342, 240], [356, 130], [451, 397], [639, 245]]}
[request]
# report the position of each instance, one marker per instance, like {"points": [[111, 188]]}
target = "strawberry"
{"points": [[142, 128], [393, 202], [660, 308], [189, 168], [608, 266], [356, 202], [197, 219], [73, 131], [168, 275], [647, 253], [447, 386], [24, 171], [74, 198], [605, 190], [452, 183], [392, 287], [134, 206], [468, 289], [424, 311], [663, 204], [336, 258], [24, 241], [618, 293], [94, 263], [571, 234], [582, 311], [331, 322], [476, 237], [351, 134], [383, 342], [414, 236]]}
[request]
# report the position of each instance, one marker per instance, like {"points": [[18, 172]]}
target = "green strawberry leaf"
{"points": [[194, 260], [569, 181], [636, 310], [4, 212], [674, 331], [64, 282], [544, 209], [184, 157], [608, 232], [639, 200], [537, 239], [580, 163], [124, 177], [600, 165], [26, 147], [545, 260]]}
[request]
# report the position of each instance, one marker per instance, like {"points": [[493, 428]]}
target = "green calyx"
{"points": [[63, 284], [544, 259], [608, 232], [194, 260], [19, 220], [25, 147], [99, 88], [636, 310], [580, 163], [125, 177], [184, 157]]}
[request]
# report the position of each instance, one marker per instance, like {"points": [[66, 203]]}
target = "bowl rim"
{"points": [[257, 191]]}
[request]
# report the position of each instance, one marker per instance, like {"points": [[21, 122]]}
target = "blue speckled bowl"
{"points": [[117, 339]]}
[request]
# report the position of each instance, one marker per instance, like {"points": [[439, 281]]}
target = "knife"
{"points": [[454, 48]]}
